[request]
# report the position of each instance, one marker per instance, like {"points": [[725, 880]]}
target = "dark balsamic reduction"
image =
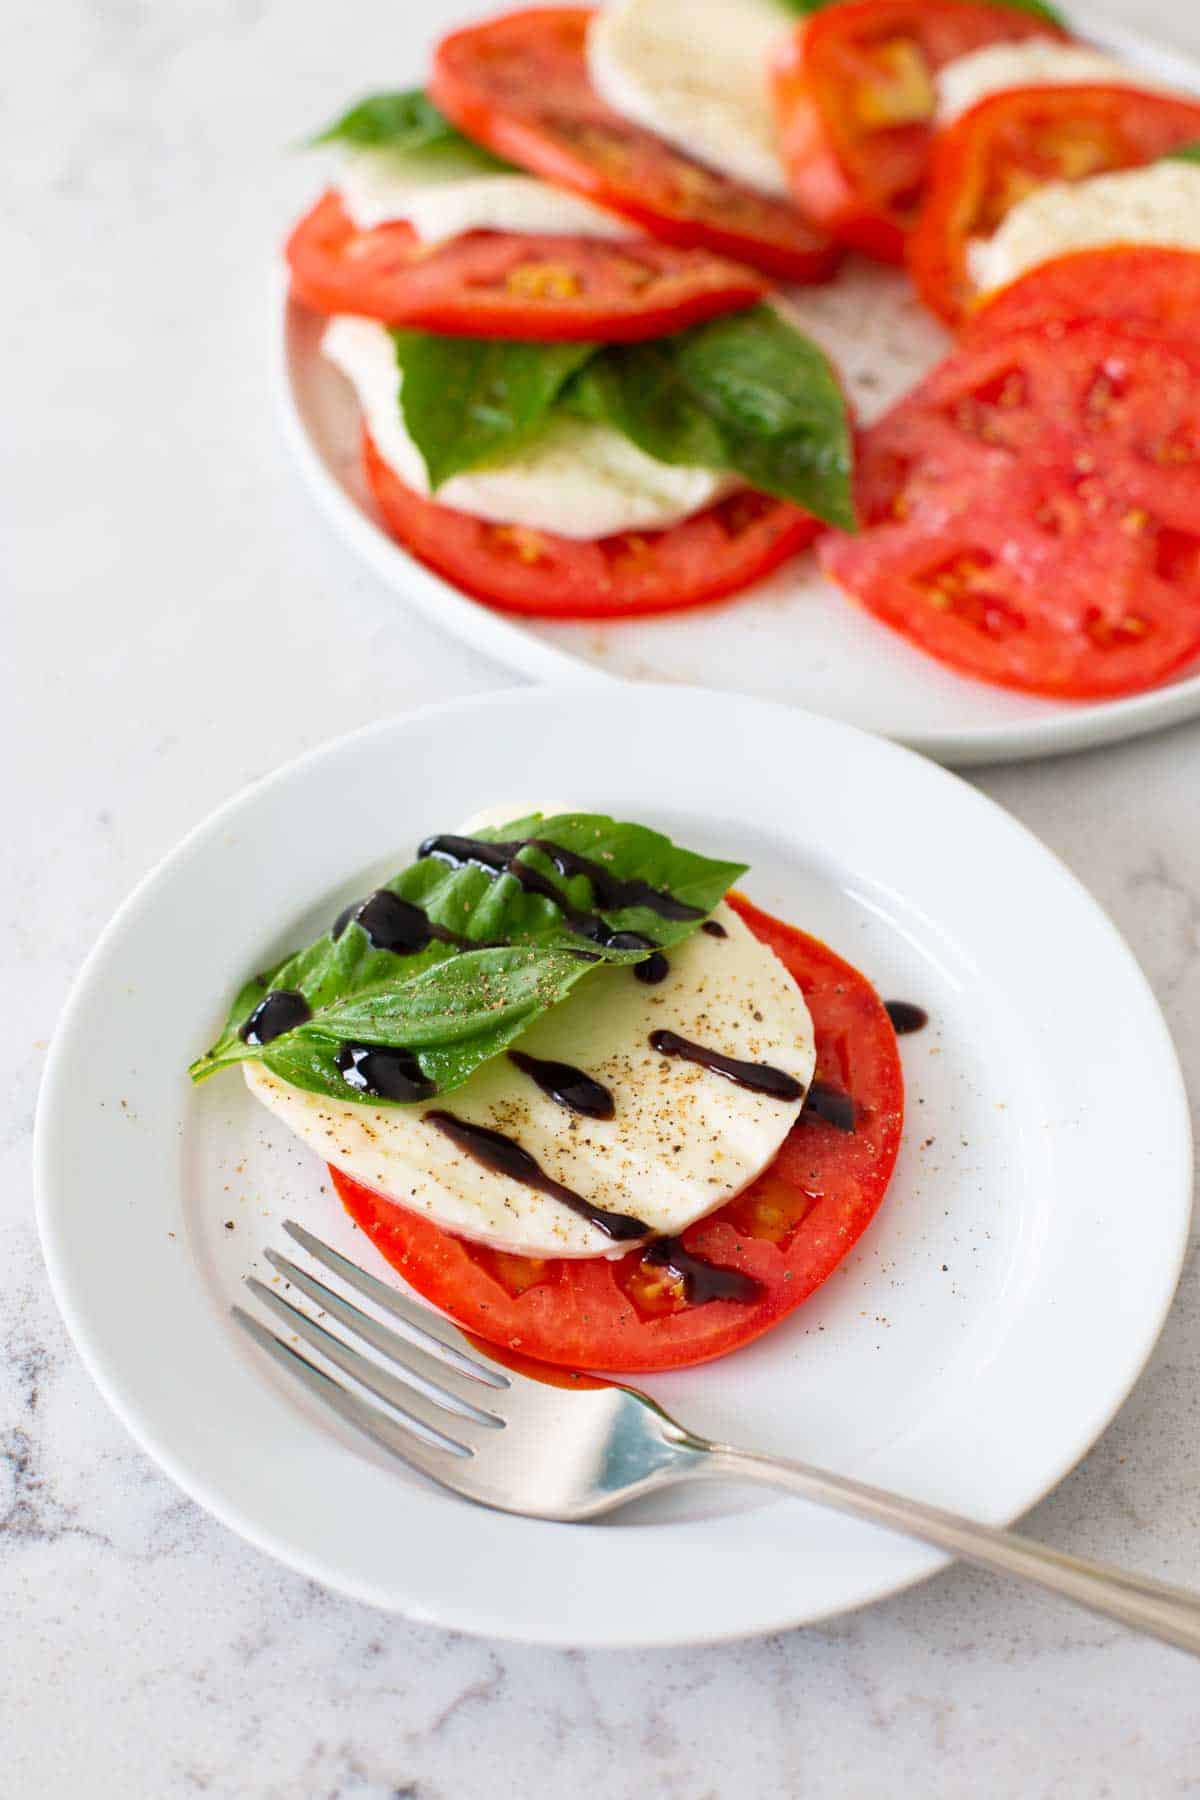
{"points": [[714, 928], [573, 1088], [760, 1078], [702, 1281], [830, 1104], [283, 1009], [392, 923], [388, 1074], [611, 892], [905, 1016], [503, 1154], [656, 968]]}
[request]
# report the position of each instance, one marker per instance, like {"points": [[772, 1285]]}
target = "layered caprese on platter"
{"points": [[562, 282], [584, 1096]]}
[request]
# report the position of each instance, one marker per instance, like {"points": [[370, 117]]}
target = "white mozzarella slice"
{"points": [[1155, 205], [1039, 62], [682, 1141], [445, 196], [697, 73], [576, 479]]}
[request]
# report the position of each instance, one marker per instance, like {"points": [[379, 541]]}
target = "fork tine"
{"points": [[380, 1338], [418, 1324], [394, 1431]]}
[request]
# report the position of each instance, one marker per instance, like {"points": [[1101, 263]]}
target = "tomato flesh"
{"points": [[497, 284], [1032, 512], [518, 570], [1138, 287], [855, 101], [520, 86], [789, 1230], [1013, 143]]}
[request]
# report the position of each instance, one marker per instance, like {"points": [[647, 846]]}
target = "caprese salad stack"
{"points": [[576, 401], [1029, 514], [548, 279], [602, 1111]]}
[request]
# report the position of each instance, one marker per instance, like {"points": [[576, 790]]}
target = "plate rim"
{"points": [[455, 1614], [1077, 727]]}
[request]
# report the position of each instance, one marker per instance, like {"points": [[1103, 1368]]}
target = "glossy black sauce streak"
{"points": [[283, 1009], [506, 1157], [398, 925], [714, 928], [387, 1074], [760, 1078], [656, 968], [905, 1016], [702, 1281], [573, 1088], [611, 892], [830, 1104]]}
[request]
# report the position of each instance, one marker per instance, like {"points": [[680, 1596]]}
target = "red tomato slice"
{"points": [[496, 284], [1137, 286], [855, 101], [1013, 143], [789, 1230], [718, 552], [1032, 512], [520, 86]]}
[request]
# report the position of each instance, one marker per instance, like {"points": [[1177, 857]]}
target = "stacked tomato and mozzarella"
{"points": [[664, 162], [665, 1160], [679, 1144], [1028, 512], [591, 231]]}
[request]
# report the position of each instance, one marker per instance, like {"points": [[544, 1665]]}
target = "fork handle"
{"points": [[1154, 1607]]}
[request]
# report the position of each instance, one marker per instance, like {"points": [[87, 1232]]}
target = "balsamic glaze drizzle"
{"points": [[832, 1105], [283, 1009], [702, 1281], [610, 890], [760, 1078], [387, 1074], [395, 924], [714, 928], [573, 1088], [905, 1016], [656, 968], [503, 1154]]}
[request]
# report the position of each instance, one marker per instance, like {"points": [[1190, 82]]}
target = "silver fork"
{"points": [[573, 1452]]}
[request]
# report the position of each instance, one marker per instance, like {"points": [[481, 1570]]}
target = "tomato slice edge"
{"points": [[531, 287], [719, 552]]}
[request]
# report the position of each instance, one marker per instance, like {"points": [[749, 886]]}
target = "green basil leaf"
{"points": [[458, 1014], [407, 122], [1184, 153], [455, 1008], [471, 401], [1038, 8], [748, 392]]}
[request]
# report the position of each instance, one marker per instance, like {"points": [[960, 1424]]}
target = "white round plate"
{"points": [[795, 637], [971, 1348]]}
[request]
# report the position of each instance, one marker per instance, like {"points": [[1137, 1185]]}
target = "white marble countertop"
{"points": [[153, 521]]}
